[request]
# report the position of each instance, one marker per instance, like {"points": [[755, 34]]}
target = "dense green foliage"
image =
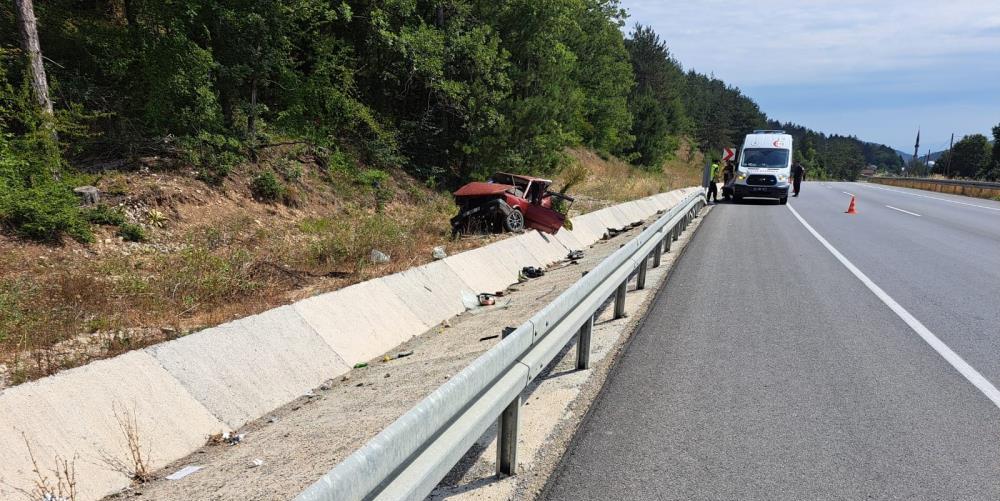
{"points": [[35, 200], [992, 172], [838, 157], [969, 158], [448, 90]]}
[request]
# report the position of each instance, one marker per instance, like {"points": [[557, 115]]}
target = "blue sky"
{"points": [[876, 69]]}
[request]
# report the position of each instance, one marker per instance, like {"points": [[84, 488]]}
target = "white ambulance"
{"points": [[765, 166]]}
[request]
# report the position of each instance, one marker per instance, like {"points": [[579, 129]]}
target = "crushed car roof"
{"points": [[479, 188]]}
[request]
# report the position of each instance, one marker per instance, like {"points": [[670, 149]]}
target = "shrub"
{"points": [[132, 232], [291, 170], [102, 214], [214, 155], [266, 187], [44, 212], [372, 177], [350, 240]]}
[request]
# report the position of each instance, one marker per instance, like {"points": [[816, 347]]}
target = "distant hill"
{"points": [[907, 157]]}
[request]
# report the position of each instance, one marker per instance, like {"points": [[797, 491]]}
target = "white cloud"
{"points": [[784, 41], [875, 68]]}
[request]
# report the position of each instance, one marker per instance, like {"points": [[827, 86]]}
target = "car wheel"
{"points": [[514, 221], [783, 200]]}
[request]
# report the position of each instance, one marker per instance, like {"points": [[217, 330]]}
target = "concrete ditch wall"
{"points": [[221, 378], [976, 189]]}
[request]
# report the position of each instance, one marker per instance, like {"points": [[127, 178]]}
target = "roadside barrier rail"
{"points": [[411, 456]]}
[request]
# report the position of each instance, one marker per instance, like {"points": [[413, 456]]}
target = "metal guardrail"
{"points": [[950, 182], [411, 456]]}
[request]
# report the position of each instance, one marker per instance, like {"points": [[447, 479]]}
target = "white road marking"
{"points": [[950, 356], [848, 194], [933, 198], [905, 211]]}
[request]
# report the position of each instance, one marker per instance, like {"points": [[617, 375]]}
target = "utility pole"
{"points": [[916, 152], [951, 145]]}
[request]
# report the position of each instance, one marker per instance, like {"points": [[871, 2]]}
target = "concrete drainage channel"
{"points": [[223, 378], [410, 457]]}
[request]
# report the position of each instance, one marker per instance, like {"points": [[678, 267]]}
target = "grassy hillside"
{"points": [[212, 254]]}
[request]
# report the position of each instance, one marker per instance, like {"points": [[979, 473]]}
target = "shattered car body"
{"points": [[508, 202]]}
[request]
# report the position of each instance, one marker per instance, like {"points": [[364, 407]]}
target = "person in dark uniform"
{"points": [[798, 174], [727, 178]]}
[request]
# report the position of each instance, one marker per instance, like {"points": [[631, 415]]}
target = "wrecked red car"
{"points": [[508, 202]]}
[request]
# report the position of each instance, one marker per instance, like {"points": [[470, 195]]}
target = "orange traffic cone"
{"points": [[850, 209]]}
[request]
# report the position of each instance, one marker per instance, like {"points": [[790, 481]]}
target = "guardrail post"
{"points": [[507, 439], [640, 281], [666, 242], [620, 300], [658, 254], [674, 233], [583, 345]]}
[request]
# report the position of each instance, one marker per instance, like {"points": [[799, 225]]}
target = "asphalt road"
{"points": [[767, 369]]}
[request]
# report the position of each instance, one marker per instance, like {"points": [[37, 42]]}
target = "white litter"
{"points": [[183, 472], [470, 300]]}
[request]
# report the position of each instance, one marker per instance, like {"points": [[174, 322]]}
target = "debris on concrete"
{"points": [[361, 365], [574, 255], [327, 385], [439, 253], [469, 300], [404, 354], [233, 438], [487, 338], [379, 257], [345, 378], [486, 299], [257, 462], [183, 472], [446, 324], [532, 272]]}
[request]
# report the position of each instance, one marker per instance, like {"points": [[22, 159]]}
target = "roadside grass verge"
{"points": [[213, 255]]}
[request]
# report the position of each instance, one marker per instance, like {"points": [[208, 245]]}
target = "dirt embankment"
{"points": [[210, 254]]}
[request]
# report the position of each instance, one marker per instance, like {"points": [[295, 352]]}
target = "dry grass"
{"points": [[134, 461], [609, 180], [61, 486], [215, 255], [211, 259]]}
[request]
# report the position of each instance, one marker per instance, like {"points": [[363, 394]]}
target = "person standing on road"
{"points": [[713, 190], [798, 174], [727, 178]]}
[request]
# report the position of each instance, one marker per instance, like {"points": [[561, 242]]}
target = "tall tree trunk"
{"points": [[29, 43]]}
